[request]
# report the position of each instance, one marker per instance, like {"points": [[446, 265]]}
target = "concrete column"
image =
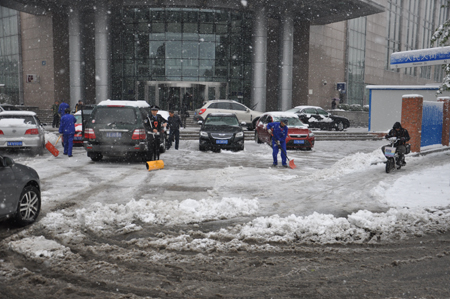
{"points": [[412, 107], [75, 57], [102, 53], [446, 120], [259, 59], [285, 62]]}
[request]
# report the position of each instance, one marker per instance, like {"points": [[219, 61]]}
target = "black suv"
{"points": [[221, 131], [118, 128]]}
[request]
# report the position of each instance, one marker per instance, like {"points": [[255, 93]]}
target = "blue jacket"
{"points": [[279, 133], [62, 107], [67, 125]]}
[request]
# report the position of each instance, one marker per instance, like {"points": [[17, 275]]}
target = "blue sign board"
{"points": [[424, 57]]}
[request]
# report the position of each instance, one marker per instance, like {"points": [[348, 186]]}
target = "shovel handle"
{"points": [[58, 139]]}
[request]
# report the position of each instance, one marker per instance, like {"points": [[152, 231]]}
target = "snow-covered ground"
{"points": [[339, 193]]}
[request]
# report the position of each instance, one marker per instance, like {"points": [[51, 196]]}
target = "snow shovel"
{"points": [[291, 162], [152, 165], [51, 148]]}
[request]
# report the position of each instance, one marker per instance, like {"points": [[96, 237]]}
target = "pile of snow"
{"points": [[117, 218], [35, 247]]}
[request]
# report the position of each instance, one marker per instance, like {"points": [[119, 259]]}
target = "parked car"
{"points": [[119, 128], [21, 130], [243, 113], [78, 137], [317, 117], [221, 131], [20, 192], [299, 136], [8, 107]]}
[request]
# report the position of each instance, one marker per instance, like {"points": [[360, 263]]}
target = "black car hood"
{"points": [[224, 129]]}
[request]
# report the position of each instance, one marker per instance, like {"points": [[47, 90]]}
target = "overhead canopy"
{"points": [[313, 11]]}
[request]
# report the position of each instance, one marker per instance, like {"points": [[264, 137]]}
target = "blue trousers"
{"points": [[68, 143], [275, 152]]}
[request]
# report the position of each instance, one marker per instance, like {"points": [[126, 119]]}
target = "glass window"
{"points": [[190, 50], [224, 105], [207, 51], [173, 49], [238, 107]]}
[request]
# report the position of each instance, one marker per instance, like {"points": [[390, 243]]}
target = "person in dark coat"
{"points": [[279, 132], [67, 128], [402, 138], [333, 104], [155, 123], [79, 106], [55, 107], [62, 108], [174, 123], [183, 113]]}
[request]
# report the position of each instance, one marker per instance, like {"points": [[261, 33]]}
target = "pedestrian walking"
{"points": [[55, 122], [333, 104], [67, 129], [184, 113], [279, 132], [174, 123]]}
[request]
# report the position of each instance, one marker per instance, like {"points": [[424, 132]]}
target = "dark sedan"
{"points": [[20, 192], [317, 117], [221, 131]]}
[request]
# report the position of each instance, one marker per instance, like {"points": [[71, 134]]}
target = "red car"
{"points": [[299, 136]]}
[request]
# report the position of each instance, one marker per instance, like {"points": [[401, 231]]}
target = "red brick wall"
{"points": [[412, 106], [446, 121]]}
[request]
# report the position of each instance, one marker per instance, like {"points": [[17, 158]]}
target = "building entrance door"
{"points": [[171, 95]]}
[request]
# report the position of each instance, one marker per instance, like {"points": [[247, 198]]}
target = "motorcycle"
{"points": [[392, 156]]}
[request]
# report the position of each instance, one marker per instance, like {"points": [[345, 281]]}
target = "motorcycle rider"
{"points": [[402, 137]]}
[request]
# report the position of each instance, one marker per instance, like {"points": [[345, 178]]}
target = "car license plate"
{"points": [[114, 134], [299, 141], [77, 138], [221, 141], [14, 143]]}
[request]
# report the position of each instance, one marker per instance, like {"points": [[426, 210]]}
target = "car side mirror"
{"points": [[243, 124], [6, 162], [248, 110], [200, 122]]}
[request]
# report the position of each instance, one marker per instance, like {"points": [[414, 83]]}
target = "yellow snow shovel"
{"points": [[152, 165]]}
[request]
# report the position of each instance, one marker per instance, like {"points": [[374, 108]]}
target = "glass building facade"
{"points": [[10, 71], [159, 54], [356, 57]]}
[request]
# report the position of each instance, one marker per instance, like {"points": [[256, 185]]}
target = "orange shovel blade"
{"points": [[291, 164], [52, 149]]}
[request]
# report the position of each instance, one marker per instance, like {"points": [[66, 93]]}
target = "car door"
{"points": [[324, 116], [242, 112], [308, 116], [8, 188]]}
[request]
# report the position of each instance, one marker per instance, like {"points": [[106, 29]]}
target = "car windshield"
{"points": [[293, 110], [115, 115], [27, 118], [293, 122], [221, 121]]}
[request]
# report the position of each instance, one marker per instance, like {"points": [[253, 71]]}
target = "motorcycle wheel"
{"points": [[389, 165]]}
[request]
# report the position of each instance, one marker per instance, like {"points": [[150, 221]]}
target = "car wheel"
{"points": [[29, 205], [201, 148], [339, 126], [257, 140], [96, 157]]}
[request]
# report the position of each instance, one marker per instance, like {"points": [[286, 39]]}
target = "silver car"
{"points": [[242, 112], [21, 130], [20, 192]]}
